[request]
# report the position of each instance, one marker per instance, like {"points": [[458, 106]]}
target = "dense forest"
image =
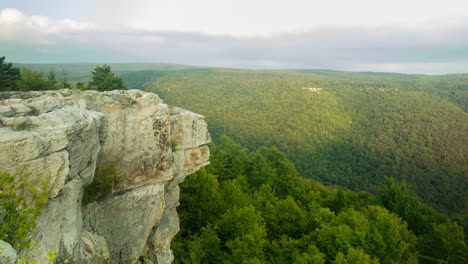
{"points": [[355, 130], [253, 207], [350, 129], [329, 166]]}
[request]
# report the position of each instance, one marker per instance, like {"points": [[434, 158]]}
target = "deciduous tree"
{"points": [[32, 81]]}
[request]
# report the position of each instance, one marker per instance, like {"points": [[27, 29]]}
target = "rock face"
{"points": [[62, 135], [7, 253]]}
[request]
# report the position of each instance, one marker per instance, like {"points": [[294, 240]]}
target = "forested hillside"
{"points": [[351, 129], [253, 207], [397, 141]]}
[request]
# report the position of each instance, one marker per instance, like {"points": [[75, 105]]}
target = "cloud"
{"points": [[13, 19], [431, 47], [264, 17]]}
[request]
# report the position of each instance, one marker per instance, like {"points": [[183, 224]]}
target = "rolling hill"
{"points": [[350, 129], [346, 128]]}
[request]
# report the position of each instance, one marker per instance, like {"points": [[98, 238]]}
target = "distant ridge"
{"points": [[82, 71]]}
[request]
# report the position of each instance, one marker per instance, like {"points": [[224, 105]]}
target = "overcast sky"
{"points": [[410, 36]]}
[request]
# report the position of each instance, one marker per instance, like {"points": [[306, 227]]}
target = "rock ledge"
{"points": [[62, 135]]}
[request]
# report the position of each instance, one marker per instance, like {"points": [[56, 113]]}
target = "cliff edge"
{"points": [[61, 136]]}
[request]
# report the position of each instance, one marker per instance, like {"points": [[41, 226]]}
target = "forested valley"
{"points": [[254, 207], [402, 138], [350, 129], [310, 166]]}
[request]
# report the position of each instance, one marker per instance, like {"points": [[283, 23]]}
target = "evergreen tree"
{"points": [[64, 83], [105, 80], [51, 78], [8, 76]]}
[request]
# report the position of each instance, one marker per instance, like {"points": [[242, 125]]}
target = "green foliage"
{"points": [[134, 73], [205, 248], [233, 192], [229, 159], [445, 244], [244, 234], [173, 146], [21, 199], [80, 86], [52, 256], [29, 80], [52, 81], [105, 80], [396, 197], [105, 179], [9, 75], [285, 217], [32, 81], [203, 204], [272, 167], [64, 83], [354, 256], [240, 218], [360, 128], [440, 239]]}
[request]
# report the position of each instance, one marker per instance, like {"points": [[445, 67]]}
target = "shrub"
{"points": [[173, 146], [21, 199], [105, 179]]}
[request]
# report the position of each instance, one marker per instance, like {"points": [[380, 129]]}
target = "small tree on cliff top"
{"points": [[8, 76], [105, 80]]}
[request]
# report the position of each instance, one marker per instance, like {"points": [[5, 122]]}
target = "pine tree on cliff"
{"points": [[105, 80], [8, 76]]}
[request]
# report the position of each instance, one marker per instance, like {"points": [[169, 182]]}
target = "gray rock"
{"points": [[7, 253], [94, 248], [60, 136]]}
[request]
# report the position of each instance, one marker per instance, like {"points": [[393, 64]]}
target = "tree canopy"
{"points": [[9, 75], [231, 212], [105, 80], [26, 79], [355, 131]]}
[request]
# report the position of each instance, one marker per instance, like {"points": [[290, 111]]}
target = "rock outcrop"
{"points": [[61, 136], [7, 253]]}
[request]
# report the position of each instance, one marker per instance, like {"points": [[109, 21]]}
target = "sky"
{"points": [[408, 36]]}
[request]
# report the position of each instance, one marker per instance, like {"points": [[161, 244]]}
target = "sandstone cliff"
{"points": [[62, 135]]}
